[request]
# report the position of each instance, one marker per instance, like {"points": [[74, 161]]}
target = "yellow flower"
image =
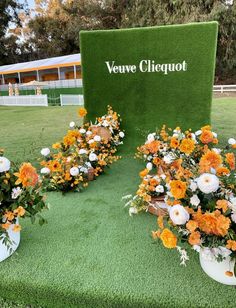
{"points": [[187, 146], [16, 228], [27, 175], [168, 238], [20, 211], [178, 189], [82, 112]]}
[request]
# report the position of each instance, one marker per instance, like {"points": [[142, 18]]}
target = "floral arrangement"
{"points": [[20, 196], [198, 184], [83, 153]]}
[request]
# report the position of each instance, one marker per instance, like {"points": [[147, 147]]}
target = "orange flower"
{"points": [[231, 245], [187, 146], [16, 228], [160, 222], [82, 112], [20, 211], [206, 136], [194, 238], [222, 171], [174, 142], [192, 225], [143, 173], [27, 175], [230, 159], [55, 166], [9, 215], [210, 160], [156, 161], [6, 226], [206, 127], [168, 238], [222, 204], [153, 146], [56, 145], [178, 189], [153, 182], [156, 234]]}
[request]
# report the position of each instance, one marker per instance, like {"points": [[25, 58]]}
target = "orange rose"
{"points": [[192, 225], [168, 238], [231, 245], [210, 160], [27, 175], [194, 238], [178, 189], [187, 146], [206, 136], [230, 159]]}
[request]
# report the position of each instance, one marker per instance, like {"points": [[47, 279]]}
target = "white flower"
{"points": [[193, 185], [72, 124], [88, 164], [97, 138], [91, 141], [149, 166], [74, 171], [214, 134], [93, 157], [121, 134], [198, 132], [45, 151], [132, 210], [84, 170], [163, 176], [16, 192], [216, 150], [45, 170], [208, 183], [82, 151], [5, 164], [69, 159], [160, 189], [231, 141], [196, 248], [194, 200], [105, 123], [82, 131], [88, 133], [151, 137], [178, 214], [168, 158], [233, 217]]}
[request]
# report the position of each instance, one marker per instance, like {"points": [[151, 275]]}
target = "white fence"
{"points": [[24, 100], [70, 100], [224, 88]]}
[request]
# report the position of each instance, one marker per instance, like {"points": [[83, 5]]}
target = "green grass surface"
{"points": [[53, 94], [91, 253], [147, 99]]}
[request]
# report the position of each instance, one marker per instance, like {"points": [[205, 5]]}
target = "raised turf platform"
{"points": [[91, 253]]}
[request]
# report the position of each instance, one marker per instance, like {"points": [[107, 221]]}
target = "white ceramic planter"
{"points": [[15, 238], [216, 270]]}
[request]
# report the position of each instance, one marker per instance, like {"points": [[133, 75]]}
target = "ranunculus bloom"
{"points": [[5, 164], [194, 238], [206, 136], [93, 157], [191, 225], [210, 160], [45, 151], [178, 214], [178, 189], [187, 146], [74, 171], [168, 238], [208, 183]]}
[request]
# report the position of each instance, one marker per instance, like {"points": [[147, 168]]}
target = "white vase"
{"points": [[15, 239], [217, 270]]}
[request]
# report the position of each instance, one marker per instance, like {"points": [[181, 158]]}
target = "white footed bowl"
{"points": [[216, 270], [15, 238]]}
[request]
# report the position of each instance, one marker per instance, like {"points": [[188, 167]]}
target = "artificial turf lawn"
{"points": [[91, 253], [146, 99]]}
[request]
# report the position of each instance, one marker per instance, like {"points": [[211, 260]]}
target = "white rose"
{"points": [[74, 171], [45, 170], [82, 151], [72, 124], [178, 214], [194, 200], [5, 164], [193, 186], [82, 131], [231, 141], [160, 189], [208, 183], [149, 166], [45, 151], [151, 137], [97, 138], [93, 157], [121, 134]]}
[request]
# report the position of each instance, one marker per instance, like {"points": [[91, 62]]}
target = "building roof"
{"points": [[54, 62]]}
